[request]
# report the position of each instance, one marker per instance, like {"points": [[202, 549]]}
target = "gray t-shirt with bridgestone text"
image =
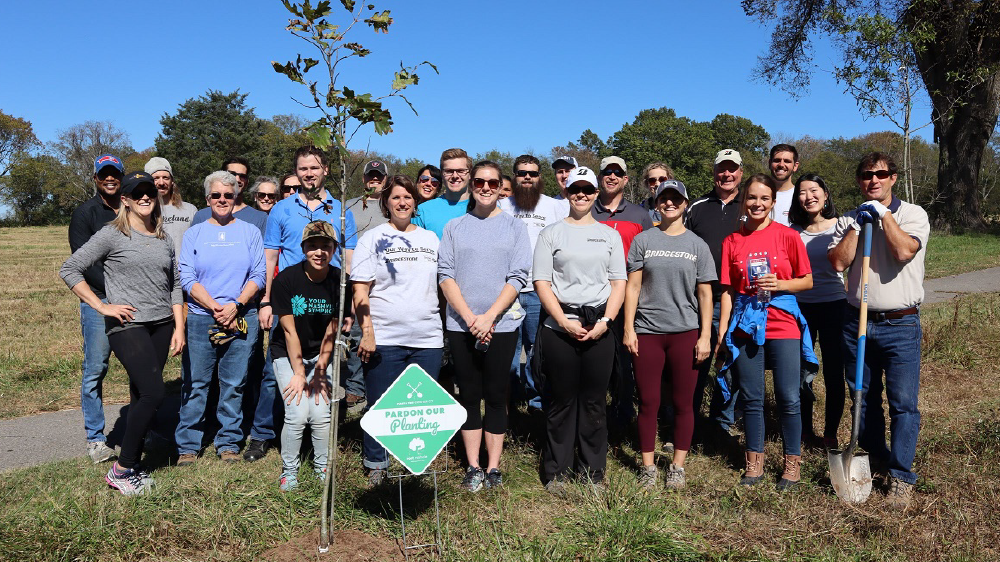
{"points": [[672, 267]]}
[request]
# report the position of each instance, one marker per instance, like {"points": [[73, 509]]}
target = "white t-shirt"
{"points": [[782, 203], [404, 296], [547, 211]]}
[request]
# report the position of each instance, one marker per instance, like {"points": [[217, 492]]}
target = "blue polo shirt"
{"points": [[436, 213], [290, 216]]}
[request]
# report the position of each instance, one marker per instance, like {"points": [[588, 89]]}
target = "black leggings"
{"points": [[142, 350], [826, 324], [483, 377]]}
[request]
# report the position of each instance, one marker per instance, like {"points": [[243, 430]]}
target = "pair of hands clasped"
{"points": [[583, 333]]}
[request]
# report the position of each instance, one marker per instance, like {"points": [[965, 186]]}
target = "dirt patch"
{"points": [[347, 546]]}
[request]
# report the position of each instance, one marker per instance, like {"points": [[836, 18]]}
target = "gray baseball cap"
{"points": [[674, 185]]}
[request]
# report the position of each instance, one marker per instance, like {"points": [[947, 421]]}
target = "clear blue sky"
{"points": [[514, 75]]}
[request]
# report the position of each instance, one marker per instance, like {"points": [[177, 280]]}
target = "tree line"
{"points": [[43, 183]]}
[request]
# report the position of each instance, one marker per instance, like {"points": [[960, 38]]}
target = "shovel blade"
{"points": [[851, 476]]}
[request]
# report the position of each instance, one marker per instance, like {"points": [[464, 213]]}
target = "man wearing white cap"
{"points": [[177, 214]]}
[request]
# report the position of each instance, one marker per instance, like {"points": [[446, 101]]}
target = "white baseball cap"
{"points": [[730, 155], [582, 173]]}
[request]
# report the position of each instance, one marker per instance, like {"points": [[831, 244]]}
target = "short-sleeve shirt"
{"points": [[580, 261], [828, 283], [435, 214], [404, 297], [628, 220], [672, 267], [775, 248], [712, 220], [313, 306], [290, 216], [176, 220], [367, 214], [547, 211]]}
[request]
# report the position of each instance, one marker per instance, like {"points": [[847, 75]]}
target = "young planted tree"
{"points": [[342, 114]]}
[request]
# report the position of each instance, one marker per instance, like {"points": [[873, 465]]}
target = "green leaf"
{"points": [[293, 8], [348, 5], [320, 136], [358, 49], [380, 22], [288, 69]]}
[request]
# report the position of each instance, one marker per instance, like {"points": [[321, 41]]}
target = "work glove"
{"points": [[874, 208]]}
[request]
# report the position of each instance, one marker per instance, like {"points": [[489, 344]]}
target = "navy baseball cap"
{"points": [[105, 160], [134, 180]]}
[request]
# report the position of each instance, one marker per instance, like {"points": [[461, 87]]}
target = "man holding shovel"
{"points": [[895, 290]]}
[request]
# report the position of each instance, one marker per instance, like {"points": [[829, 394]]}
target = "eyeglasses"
{"points": [[880, 174], [434, 181], [272, 196], [613, 171], [656, 181], [216, 195], [584, 189], [479, 183], [285, 188], [529, 173], [456, 172], [237, 174]]}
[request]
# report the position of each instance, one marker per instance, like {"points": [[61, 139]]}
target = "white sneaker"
{"points": [[99, 452]]}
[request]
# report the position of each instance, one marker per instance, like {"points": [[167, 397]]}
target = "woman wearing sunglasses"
{"points": [[579, 275], [652, 176], [289, 185], [265, 193], [428, 182], [221, 270], [483, 264], [143, 314]]}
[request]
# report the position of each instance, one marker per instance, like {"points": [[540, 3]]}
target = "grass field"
{"points": [[220, 512]]}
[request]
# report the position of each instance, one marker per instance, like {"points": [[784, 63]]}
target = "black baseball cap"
{"points": [[134, 180]]}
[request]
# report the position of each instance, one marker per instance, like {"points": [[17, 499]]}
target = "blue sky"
{"points": [[514, 75]]}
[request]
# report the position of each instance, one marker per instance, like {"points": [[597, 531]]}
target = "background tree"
{"points": [[16, 136], [77, 147], [32, 188], [955, 45]]}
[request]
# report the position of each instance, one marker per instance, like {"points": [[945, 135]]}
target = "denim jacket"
{"points": [[750, 315]]}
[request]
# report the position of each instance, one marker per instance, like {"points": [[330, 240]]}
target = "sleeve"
{"points": [[725, 276], [272, 234], [520, 259], [176, 294], [797, 255], [706, 263], [79, 233], [541, 266], [281, 301], [446, 254], [186, 263], [636, 254], [616, 269], [95, 250], [364, 262], [842, 228], [201, 216], [917, 225], [647, 223], [350, 231], [258, 269]]}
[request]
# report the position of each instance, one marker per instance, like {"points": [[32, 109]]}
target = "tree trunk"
{"points": [[962, 140]]}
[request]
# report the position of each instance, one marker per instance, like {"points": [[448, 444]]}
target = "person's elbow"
{"points": [[905, 253], [838, 264]]}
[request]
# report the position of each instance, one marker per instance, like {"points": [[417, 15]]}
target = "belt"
{"points": [[890, 314]]}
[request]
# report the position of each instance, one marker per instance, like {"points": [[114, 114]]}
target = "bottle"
{"points": [[759, 265]]}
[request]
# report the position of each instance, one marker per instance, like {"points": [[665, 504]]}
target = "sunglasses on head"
{"points": [[285, 188], [613, 171], [584, 189], [479, 183], [656, 181], [271, 196], [880, 174], [216, 195], [529, 173], [434, 181]]}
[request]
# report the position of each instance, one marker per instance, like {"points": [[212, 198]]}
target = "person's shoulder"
{"points": [[912, 209], [506, 205], [186, 207]]}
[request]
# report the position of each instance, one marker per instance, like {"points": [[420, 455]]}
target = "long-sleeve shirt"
{"points": [[223, 259], [139, 270], [87, 219], [483, 255]]}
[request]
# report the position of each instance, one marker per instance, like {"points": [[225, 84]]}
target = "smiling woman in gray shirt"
{"points": [[143, 313]]}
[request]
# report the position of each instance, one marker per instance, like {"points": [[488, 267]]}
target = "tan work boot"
{"points": [[755, 469], [899, 496], [792, 474]]}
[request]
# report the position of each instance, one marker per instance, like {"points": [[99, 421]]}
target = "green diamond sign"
{"points": [[414, 419]]}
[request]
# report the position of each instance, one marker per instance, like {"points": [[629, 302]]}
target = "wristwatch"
{"points": [[604, 319]]}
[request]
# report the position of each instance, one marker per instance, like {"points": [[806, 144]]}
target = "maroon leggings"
{"points": [[665, 368]]}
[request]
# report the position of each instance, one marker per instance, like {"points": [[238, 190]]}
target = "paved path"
{"points": [[42, 438]]}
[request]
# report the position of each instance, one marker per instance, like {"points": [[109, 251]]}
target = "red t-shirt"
{"points": [[776, 248]]}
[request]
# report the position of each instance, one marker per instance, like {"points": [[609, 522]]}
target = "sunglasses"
{"points": [[285, 188], [272, 196], [656, 181], [479, 183], [434, 181], [216, 195], [237, 174], [615, 172], [529, 173], [880, 174], [584, 189], [143, 191]]}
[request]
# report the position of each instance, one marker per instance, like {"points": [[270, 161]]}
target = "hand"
{"points": [[366, 347], [265, 317], [482, 326], [294, 389], [573, 328], [595, 332], [319, 386], [122, 312], [631, 342], [348, 324], [177, 342], [720, 353], [701, 349], [224, 314], [768, 282], [875, 208]]}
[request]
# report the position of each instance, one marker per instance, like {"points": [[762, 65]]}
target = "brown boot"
{"points": [[792, 474], [755, 469]]}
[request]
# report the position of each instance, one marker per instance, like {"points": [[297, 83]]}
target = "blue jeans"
{"points": [[202, 358], [527, 332], [96, 352], [353, 376], [306, 412], [783, 357], [265, 406], [380, 372], [720, 410], [892, 349]]}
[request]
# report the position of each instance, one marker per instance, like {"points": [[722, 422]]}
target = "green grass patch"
{"points": [[961, 253]]}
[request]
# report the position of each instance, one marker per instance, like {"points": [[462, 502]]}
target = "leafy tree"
{"points": [[78, 146], [16, 136], [32, 188], [955, 46]]}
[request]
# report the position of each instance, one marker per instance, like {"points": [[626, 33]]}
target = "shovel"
{"points": [[851, 473]]}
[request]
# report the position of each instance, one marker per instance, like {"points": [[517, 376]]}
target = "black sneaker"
{"points": [[474, 477], [256, 450], [493, 478]]}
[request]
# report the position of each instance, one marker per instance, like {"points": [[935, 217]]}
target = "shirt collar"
{"points": [[894, 204]]}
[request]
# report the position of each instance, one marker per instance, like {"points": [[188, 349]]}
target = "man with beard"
{"points": [[537, 211], [177, 214], [282, 248], [434, 214], [87, 219], [240, 168], [783, 162]]}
